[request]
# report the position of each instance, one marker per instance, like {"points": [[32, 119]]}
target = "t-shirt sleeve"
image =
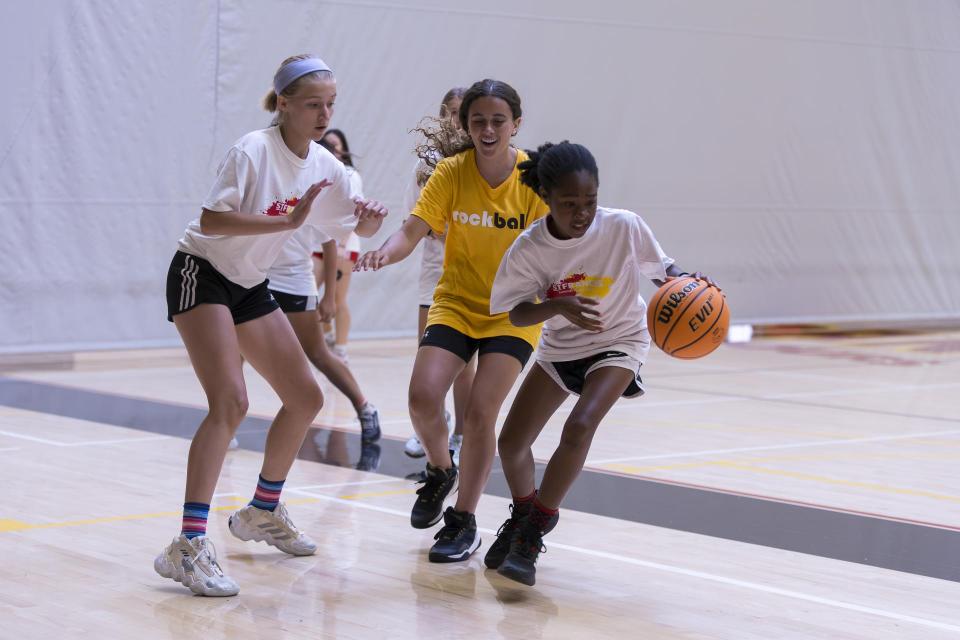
{"points": [[653, 262], [435, 203], [236, 177], [332, 211], [516, 281]]}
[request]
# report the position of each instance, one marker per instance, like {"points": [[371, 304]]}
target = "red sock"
{"points": [[523, 505], [541, 515]]}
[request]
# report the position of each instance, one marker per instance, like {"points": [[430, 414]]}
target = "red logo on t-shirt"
{"points": [[279, 208], [564, 287]]}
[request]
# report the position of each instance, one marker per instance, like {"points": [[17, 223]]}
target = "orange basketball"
{"points": [[688, 318]]}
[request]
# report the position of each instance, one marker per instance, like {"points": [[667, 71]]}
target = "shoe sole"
{"points": [[439, 517], [443, 559], [420, 454], [164, 569], [507, 570], [266, 538]]}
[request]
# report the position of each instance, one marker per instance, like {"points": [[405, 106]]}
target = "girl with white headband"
{"points": [[269, 184]]}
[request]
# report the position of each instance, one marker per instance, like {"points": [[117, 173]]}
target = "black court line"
{"points": [[875, 541]]}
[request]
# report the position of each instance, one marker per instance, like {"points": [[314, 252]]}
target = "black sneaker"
{"points": [[501, 546], [369, 457], [437, 485], [526, 547], [458, 538], [369, 423]]}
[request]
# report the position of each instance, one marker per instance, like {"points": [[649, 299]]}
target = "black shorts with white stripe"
{"points": [[192, 281]]}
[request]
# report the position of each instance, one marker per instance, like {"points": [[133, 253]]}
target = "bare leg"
{"points": [[342, 319], [271, 347], [537, 400], [496, 373], [211, 341], [461, 394], [434, 371], [305, 324], [601, 390]]}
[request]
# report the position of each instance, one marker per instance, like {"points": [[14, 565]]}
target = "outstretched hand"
{"points": [[372, 261], [302, 208]]}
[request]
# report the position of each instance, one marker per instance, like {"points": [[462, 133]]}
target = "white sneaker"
{"points": [[330, 338], [340, 351], [273, 527], [193, 563], [414, 448], [456, 442], [234, 444]]}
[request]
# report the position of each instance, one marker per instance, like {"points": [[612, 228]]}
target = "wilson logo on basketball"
{"points": [[281, 208], [495, 221], [674, 299]]}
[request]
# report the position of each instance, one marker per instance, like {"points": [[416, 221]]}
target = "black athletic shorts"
{"points": [[571, 374], [292, 303], [440, 335], [192, 281]]}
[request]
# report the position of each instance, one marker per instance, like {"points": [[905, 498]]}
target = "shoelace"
{"points": [[509, 524], [529, 546], [209, 552], [430, 483], [284, 517], [448, 532]]}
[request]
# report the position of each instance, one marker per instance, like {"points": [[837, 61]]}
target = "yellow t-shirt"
{"points": [[481, 223]]}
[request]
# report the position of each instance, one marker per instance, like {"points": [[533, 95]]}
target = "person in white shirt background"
{"points": [[579, 269], [431, 264], [337, 329], [217, 296]]}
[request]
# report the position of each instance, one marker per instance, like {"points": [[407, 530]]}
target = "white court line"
{"points": [[10, 449], [333, 485], [692, 573], [775, 447], [87, 443], [773, 396]]}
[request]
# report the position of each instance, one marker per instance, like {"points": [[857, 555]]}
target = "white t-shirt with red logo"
{"points": [[261, 175], [608, 264]]}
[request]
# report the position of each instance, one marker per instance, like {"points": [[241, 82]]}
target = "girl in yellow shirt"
{"points": [[476, 197]]}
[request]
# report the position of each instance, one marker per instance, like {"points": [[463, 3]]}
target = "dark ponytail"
{"points": [[550, 162]]}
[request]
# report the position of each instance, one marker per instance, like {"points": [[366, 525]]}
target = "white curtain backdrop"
{"points": [[805, 154]]}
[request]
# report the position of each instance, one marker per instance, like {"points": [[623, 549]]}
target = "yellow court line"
{"points": [[18, 525], [872, 486]]}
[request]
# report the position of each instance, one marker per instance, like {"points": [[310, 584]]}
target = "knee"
{"points": [[578, 431], [423, 402], [479, 420], [230, 408], [308, 401]]}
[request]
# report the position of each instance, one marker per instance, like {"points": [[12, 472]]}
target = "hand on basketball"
{"points": [[327, 308], [580, 311], [300, 211], [698, 276], [369, 210], [371, 261]]}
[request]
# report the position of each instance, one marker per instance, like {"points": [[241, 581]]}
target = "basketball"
{"points": [[687, 318]]}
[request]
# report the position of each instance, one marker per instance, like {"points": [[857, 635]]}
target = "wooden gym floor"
{"points": [[794, 487]]}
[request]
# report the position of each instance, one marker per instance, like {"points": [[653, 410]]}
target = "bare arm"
{"points": [[577, 309], [673, 271], [397, 247], [328, 305], [234, 223], [370, 215]]}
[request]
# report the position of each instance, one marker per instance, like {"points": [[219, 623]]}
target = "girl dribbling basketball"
{"points": [[579, 269]]}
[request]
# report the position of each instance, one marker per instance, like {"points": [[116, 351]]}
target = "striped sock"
{"points": [[267, 495], [194, 519]]}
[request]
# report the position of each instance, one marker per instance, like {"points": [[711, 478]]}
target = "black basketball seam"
{"points": [[655, 306], [666, 338], [723, 303]]}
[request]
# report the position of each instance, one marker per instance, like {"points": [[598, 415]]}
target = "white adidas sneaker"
{"points": [[273, 527], [413, 446], [193, 563]]}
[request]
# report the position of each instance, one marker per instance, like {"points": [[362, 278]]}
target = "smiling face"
{"points": [[491, 125], [573, 204], [306, 114]]}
